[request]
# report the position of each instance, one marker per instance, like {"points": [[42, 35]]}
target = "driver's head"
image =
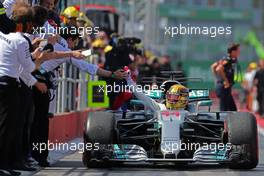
{"points": [[177, 97]]}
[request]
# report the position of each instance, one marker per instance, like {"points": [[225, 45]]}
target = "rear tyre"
{"points": [[100, 129], [243, 137]]}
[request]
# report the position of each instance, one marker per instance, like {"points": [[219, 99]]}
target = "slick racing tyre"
{"points": [[100, 129], [241, 128]]}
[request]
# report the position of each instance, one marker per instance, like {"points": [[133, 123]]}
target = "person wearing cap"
{"points": [[70, 15], [224, 70]]}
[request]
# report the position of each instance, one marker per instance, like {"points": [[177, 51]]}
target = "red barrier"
{"points": [[67, 126]]}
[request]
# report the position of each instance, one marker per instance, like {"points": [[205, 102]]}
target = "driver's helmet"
{"points": [[177, 97]]}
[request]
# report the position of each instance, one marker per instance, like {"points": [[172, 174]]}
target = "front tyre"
{"points": [[99, 128], [241, 128]]}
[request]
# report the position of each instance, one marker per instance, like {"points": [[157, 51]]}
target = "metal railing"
{"points": [[71, 93]]}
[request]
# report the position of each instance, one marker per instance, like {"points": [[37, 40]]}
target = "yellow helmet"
{"points": [[177, 97], [70, 12]]}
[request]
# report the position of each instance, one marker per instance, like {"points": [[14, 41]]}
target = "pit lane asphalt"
{"points": [[72, 165]]}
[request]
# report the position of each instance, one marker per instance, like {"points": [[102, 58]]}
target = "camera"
{"points": [[126, 44]]}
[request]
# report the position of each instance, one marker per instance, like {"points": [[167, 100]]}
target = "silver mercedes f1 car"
{"points": [[192, 135]]}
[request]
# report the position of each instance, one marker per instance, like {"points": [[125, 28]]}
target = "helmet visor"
{"points": [[172, 97]]}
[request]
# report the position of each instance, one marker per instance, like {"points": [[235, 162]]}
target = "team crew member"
{"points": [[22, 17], [14, 52], [225, 72]]}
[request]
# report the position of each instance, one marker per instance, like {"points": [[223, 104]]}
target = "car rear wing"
{"points": [[199, 94], [194, 94]]}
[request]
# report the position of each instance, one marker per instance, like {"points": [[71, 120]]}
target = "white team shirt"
{"points": [[27, 77], [14, 52]]}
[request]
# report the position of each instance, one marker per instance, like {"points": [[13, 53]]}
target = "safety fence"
{"points": [[71, 93]]}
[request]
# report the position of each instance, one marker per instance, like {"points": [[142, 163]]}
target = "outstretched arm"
{"points": [[149, 102], [95, 70]]}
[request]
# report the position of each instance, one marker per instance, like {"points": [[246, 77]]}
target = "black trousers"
{"points": [[26, 118], [40, 126], [9, 116], [227, 102]]}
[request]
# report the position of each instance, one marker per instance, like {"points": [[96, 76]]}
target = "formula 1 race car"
{"points": [[184, 136]]}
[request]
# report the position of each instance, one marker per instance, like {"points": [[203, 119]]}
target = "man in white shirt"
{"points": [[14, 52], [16, 62]]}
